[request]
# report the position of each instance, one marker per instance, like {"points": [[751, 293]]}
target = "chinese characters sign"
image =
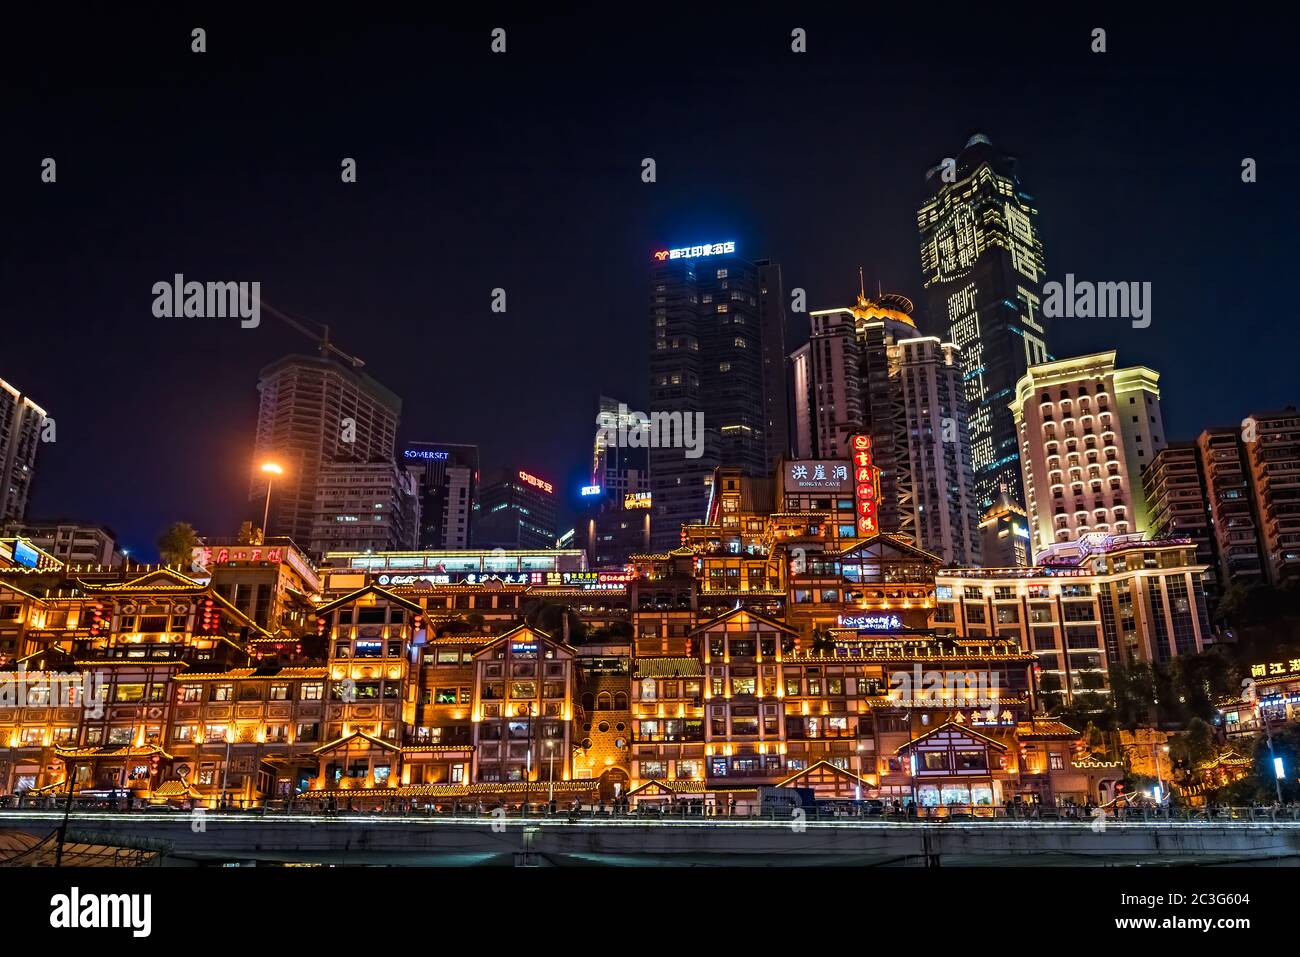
{"points": [[817, 476], [637, 500], [691, 252], [1276, 669], [871, 622], [536, 482], [866, 486]]}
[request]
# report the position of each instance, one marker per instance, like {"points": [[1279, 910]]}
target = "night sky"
{"points": [[522, 171]]}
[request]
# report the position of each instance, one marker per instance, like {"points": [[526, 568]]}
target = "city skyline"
{"points": [[385, 275]]}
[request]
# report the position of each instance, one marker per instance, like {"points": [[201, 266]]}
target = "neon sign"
{"points": [[866, 486], [427, 454], [533, 480], [693, 252], [871, 622], [590, 490], [637, 500]]}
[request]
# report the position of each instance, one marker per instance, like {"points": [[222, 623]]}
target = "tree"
{"points": [[249, 534], [176, 545], [1194, 745], [1133, 689]]}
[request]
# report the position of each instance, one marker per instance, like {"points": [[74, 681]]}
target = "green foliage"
{"points": [[176, 545]]}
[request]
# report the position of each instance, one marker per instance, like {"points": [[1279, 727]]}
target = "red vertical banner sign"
{"points": [[866, 486]]}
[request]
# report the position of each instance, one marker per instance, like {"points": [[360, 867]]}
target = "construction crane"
{"points": [[322, 338]]}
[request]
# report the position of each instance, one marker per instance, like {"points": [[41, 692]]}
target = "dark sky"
{"points": [[522, 171]]}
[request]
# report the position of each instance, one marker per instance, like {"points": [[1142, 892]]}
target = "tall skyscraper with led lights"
{"points": [[983, 265], [717, 348]]}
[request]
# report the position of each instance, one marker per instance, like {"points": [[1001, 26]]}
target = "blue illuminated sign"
{"points": [[591, 490], [24, 554]]}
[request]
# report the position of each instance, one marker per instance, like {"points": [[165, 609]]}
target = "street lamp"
{"points": [[271, 469], [550, 748], [225, 768]]}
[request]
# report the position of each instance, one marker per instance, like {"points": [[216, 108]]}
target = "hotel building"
{"points": [[1087, 429], [717, 349], [446, 478]]}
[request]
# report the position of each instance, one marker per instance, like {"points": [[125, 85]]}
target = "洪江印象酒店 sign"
{"points": [[694, 252]]}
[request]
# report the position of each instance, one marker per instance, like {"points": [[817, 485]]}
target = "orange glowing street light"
{"points": [[271, 469]]}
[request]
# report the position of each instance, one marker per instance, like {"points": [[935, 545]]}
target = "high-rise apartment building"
{"points": [[370, 506], [446, 477], [935, 484], [20, 435], [517, 510], [1086, 431], [1273, 456], [982, 260], [866, 370], [717, 347], [1227, 486], [1178, 507], [315, 411]]}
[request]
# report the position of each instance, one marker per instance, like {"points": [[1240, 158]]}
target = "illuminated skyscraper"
{"points": [[866, 370], [717, 348], [983, 265], [516, 511], [1087, 430], [447, 477]]}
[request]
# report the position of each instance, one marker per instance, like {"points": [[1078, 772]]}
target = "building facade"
{"points": [[1174, 488], [314, 412], [867, 371], [518, 510], [982, 261], [1226, 474], [372, 506], [73, 543], [1087, 429], [1273, 456], [446, 477], [717, 348], [21, 422]]}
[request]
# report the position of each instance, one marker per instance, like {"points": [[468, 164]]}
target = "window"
{"points": [[971, 761], [934, 760]]}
